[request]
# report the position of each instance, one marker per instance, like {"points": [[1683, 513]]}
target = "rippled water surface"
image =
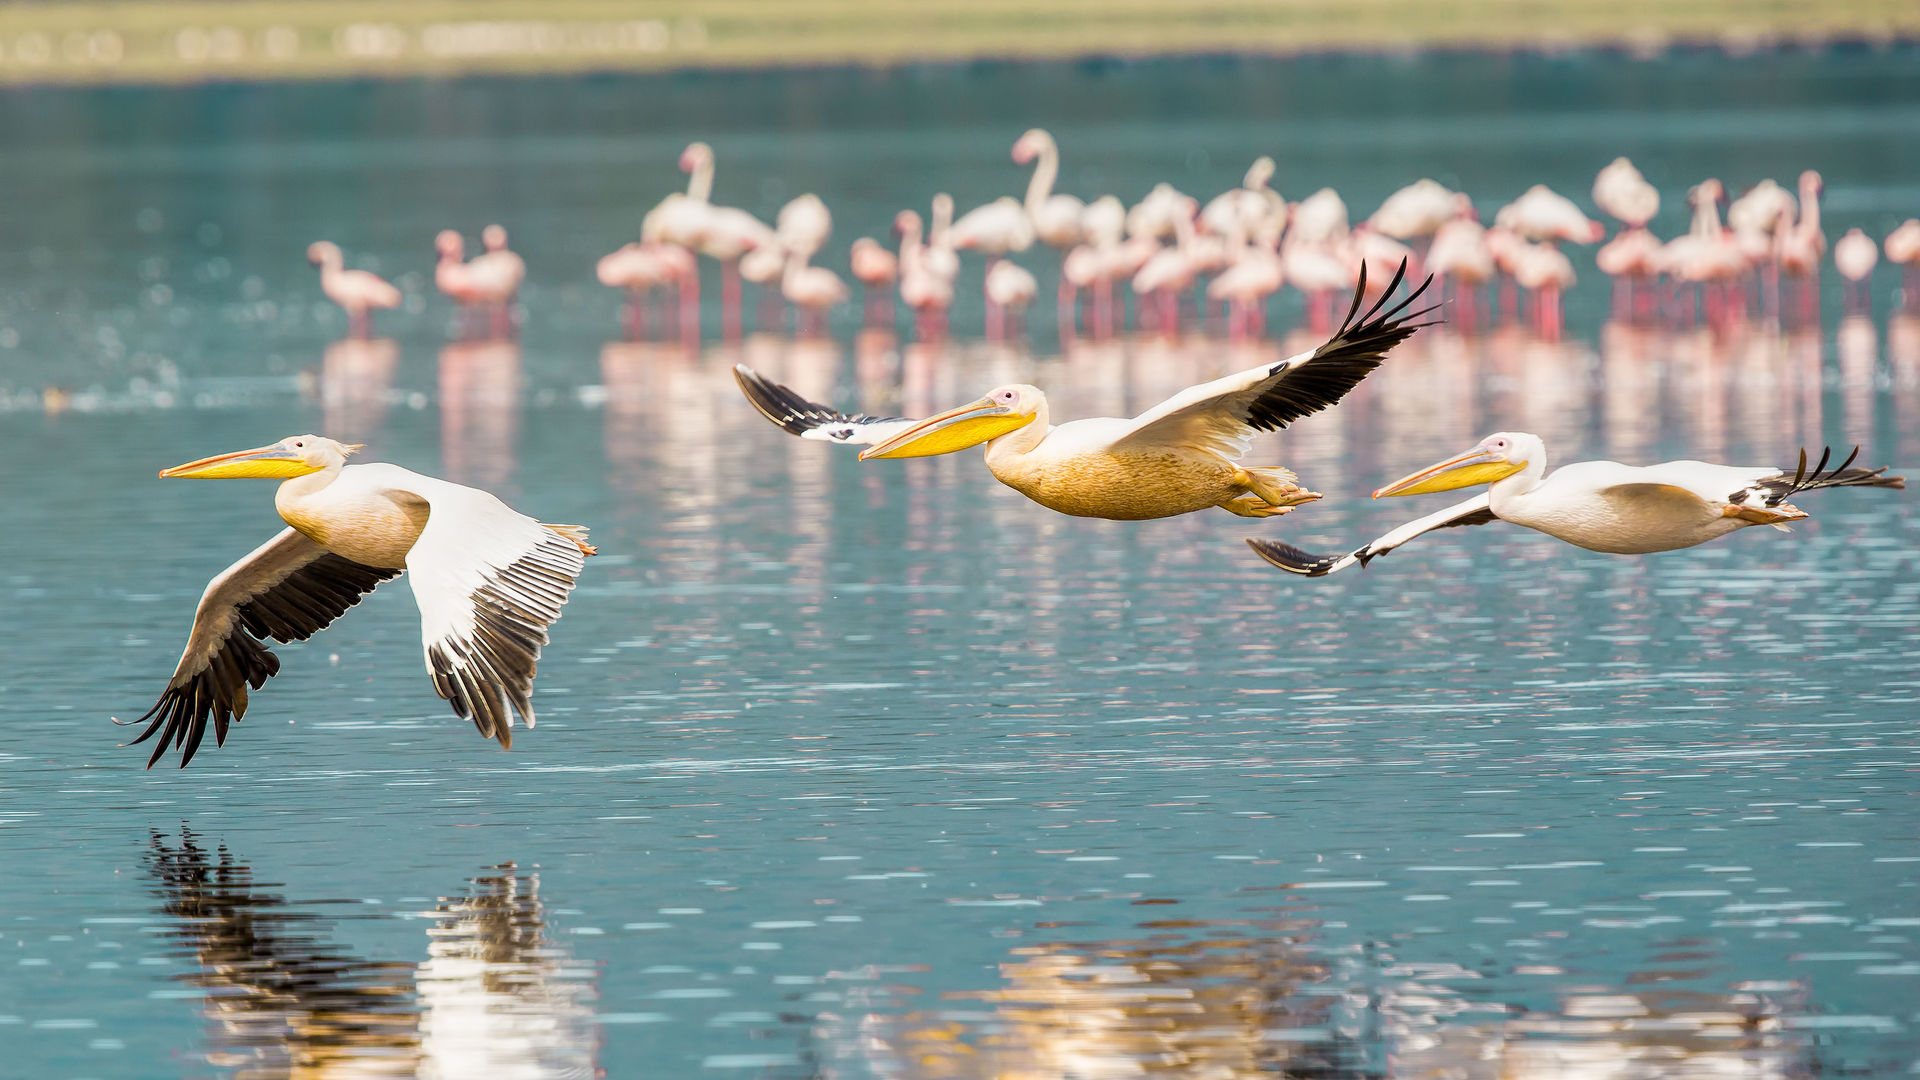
{"points": [[877, 769]]}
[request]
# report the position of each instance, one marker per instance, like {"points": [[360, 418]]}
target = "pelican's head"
{"points": [[1031, 145], [1497, 457], [295, 455], [322, 252], [1005, 409]]}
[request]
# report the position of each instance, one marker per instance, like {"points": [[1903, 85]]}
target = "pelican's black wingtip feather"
{"points": [[1785, 485], [1292, 559], [781, 405]]}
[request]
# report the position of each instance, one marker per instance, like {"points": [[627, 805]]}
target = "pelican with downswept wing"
{"points": [[489, 582], [1598, 505], [1180, 456]]}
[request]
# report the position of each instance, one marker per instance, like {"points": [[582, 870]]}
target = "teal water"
{"points": [[876, 769]]}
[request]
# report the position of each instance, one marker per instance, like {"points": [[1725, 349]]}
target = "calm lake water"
{"points": [[877, 769]]}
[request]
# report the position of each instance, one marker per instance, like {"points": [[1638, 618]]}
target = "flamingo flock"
{"points": [[1185, 261]]}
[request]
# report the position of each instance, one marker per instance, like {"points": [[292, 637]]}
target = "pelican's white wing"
{"points": [[287, 589], [489, 581], [1223, 415], [1475, 511], [812, 420], [1739, 485]]}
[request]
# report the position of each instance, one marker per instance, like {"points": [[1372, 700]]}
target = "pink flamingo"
{"points": [[728, 235], [804, 224], [1010, 288], [876, 269], [1319, 269], [1708, 255], [1414, 214], [488, 281], [1541, 213], [1380, 255], [1055, 218], [356, 291], [926, 294], [995, 230], [1622, 193], [1631, 259], [680, 219], [1247, 206], [1756, 219], [763, 266], [1903, 250], [640, 268], [1459, 257], [937, 256], [1155, 215], [1170, 272], [1320, 218], [813, 290], [1546, 272], [1854, 255], [1245, 285], [1800, 248]]}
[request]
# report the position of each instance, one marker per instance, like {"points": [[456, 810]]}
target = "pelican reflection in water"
{"points": [[496, 997]]}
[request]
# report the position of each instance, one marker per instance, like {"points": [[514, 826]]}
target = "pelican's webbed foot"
{"points": [[1253, 506]]}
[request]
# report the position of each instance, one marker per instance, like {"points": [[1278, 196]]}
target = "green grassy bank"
{"points": [[142, 41]]}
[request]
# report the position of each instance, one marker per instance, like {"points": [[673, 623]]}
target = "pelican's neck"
{"points": [[700, 184], [1519, 485], [1020, 441], [292, 493], [1041, 185]]}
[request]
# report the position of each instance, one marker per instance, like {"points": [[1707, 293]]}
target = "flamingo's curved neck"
{"points": [[796, 262], [910, 249], [1706, 216], [700, 184], [1044, 173], [1809, 210]]}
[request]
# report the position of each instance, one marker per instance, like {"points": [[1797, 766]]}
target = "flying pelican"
{"points": [[489, 582], [1178, 457], [1598, 505]]}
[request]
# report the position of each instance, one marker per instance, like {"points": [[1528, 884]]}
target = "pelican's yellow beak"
{"points": [[956, 429], [274, 462], [1477, 466]]}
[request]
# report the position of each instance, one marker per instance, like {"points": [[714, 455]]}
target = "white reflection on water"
{"points": [[496, 997], [1243, 999]]}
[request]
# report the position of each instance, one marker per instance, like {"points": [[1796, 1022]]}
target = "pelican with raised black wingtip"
{"points": [[489, 582], [1598, 505], [1180, 456]]}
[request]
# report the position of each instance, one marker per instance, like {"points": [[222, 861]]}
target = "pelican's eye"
{"points": [[297, 444], [1007, 397]]}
